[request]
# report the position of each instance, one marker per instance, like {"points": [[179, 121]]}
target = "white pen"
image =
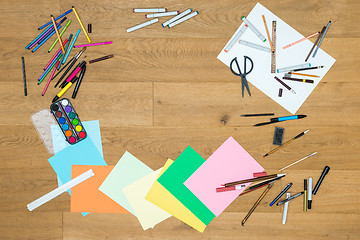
{"points": [[177, 17], [235, 38], [253, 28], [165, 14], [143, 10], [142, 25], [253, 45], [183, 19], [310, 193], [288, 69], [286, 206]]}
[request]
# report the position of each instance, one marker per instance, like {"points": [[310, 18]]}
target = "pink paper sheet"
{"points": [[230, 162]]}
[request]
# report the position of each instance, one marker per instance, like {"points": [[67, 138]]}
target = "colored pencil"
{"points": [[302, 74], [268, 34], [62, 32], [67, 12], [317, 40], [322, 38], [298, 161], [24, 75], [256, 204], [93, 44], [101, 58], [253, 179], [289, 141], [303, 39], [82, 26]]}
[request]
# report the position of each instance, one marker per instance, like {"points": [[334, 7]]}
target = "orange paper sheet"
{"points": [[86, 197]]}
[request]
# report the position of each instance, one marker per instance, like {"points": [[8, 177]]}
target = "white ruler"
{"points": [[56, 192]]}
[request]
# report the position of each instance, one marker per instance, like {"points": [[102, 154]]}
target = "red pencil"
{"points": [[55, 55], [52, 74]]}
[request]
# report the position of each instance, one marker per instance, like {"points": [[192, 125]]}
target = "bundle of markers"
{"points": [[68, 78], [155, 13]]}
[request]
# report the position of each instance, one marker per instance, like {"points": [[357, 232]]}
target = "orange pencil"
{"points": [[268, 34], [303, 39], [57, 33], [302, 74]]}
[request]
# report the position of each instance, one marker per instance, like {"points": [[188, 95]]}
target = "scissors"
{"points": [[244, 82]]}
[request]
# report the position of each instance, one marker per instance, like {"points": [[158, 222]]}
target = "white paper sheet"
{"points": [[261, 76]]}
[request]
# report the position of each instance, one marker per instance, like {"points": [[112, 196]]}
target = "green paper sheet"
{"points": [[173, 180]]}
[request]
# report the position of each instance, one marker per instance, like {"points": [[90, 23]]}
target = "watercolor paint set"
{"points": [[68, 120]]}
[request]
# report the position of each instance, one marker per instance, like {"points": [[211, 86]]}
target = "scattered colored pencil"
{"points": [[48, 82], [67, 12], [93, 44], [62, 32], [57, 34], [82, 26]]}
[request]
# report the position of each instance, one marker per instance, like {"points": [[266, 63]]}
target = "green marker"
{"points": [[52, 46], [262, 38], [49, 68]]}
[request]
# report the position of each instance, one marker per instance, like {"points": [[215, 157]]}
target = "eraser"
{"points": [[278, 136], [280, 92], [259, 174]]}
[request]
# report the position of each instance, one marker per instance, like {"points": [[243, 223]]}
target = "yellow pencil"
{"points": [[268, 34], [82, 26], [57, 33]]}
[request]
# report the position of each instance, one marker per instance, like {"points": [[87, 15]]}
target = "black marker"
{"points": [[325, 171], [79, 82]]}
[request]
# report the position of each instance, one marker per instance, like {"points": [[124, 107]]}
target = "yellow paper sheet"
{"points": [[147, 213], [159, 196]]}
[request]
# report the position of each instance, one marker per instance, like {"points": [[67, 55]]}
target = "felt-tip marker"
{"points": [[310, 193], [64, 89], [305, 196], [323, 174]]}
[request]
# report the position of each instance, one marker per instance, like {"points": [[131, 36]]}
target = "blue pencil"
{"points": [[71, 46], [322, 38], [39, 36], [48, 32], [66, 48], [40, 44], [55, 19]]}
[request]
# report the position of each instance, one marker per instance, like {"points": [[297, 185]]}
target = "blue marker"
{"points": [[281, 119], [71, 46], [43, 41], [282, 193], [40, 35], [66, 48], [69, 11]]}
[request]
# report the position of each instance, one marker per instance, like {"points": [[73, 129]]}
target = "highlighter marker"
{"points": [[64, 89], [305, 197], [310, 193]]}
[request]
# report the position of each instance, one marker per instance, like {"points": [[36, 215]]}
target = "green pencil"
{"points": [[53, 45], [49, 68]]}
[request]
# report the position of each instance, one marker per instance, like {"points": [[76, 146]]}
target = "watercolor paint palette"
{"points": [[68, 121]]}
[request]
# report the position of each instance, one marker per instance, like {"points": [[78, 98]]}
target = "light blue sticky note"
{"points": [[128, 170], [81, 153]]}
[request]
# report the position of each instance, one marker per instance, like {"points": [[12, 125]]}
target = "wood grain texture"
{"points": [[165, 90]]}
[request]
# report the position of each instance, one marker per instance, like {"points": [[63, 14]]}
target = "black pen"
{"points": [[290, 198], [281, 193], [323, 174], [257, 115], [24, 75], [303, 69], [77, 86]]}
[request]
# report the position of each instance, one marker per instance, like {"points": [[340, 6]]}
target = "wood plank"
{"points": [[132, 102], [214, 103], [31, 225], [174, 60]]}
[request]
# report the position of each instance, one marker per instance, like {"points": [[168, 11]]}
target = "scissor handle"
{"points": [[252, 65], [237, 64]]}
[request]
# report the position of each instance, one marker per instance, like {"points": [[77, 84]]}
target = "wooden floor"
{"points": [[164, 90]]}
